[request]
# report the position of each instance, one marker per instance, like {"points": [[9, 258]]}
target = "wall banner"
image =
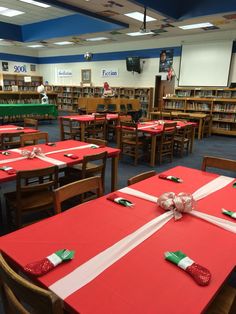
{"points": [[109, 73]]}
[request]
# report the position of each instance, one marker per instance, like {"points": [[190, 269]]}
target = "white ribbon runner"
{"points": [[59, 163], [147, 126], [96, 265], [10, 129]]}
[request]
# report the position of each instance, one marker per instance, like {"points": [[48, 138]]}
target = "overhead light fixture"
{"points": [[39, 4], [193, 26], [63, 43], [96, 38], [9, 12], [140, 33], [36, 46], [139, 16]]}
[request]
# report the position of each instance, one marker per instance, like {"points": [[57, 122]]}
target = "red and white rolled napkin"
{"points": [[8, 169], [119, 200], [48, 263], [200, 274], [71, 156], [171, 178], [229, 213]]}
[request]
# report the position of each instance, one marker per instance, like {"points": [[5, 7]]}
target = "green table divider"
{"points": [[27, 109]]}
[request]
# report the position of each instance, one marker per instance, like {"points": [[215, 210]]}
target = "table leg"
{"points": [[192, 140], [153, 151], [82, 132], [114, 172], [200, 129]]}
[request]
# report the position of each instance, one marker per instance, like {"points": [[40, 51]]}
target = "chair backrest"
{"points": [[77, 188], [68, 128], [10, 140], [167, 136], [97, 168], [100, 107], [128, 130], [22, 297], [123, 108], [31, 123], [97, 127], [111, 107], [33, 138], [217, 162], [141, 176], [129, 107], [185, 132], [96, 141]]}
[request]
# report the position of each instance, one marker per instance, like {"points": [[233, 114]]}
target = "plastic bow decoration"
{"points": [[180, 203], [36, 151]]}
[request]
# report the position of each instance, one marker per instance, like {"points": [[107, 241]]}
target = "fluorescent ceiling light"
{"points": [[96, 38], [140, 33], [39, 4], [193, 26], [62, 43], [139, 16], [9, 12], [36, 46]]}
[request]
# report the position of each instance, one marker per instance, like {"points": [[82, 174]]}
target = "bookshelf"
{"points": [[220, 103], [68, 96], [16, 82], [8, 97]]}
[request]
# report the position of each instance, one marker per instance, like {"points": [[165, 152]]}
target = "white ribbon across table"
{"points": [[88, 271], [148, 126], [59, 163], [11, 129]]}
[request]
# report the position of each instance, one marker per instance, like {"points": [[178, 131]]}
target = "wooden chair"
{"points": [[33, 193], [217, 162], [97, 127], [10, 140], [20, 296], [224, 302], [183, 140], [33, 138], [165, 145], [96, 141], [141, 176], [131, 143], [206, 126], [101, 108], [123, 109], [77, 188], [112, 108], [32, 123], [69, 129]]}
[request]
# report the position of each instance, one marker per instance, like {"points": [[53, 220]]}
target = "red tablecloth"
{"points": [[157, 128], [90, 117], [29, 164], [10, 128], [142, 281]]}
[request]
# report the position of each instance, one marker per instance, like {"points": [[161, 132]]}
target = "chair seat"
{"points": [[32, 201]]}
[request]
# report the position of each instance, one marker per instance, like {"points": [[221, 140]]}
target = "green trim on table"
{"points": [[24, 109]]}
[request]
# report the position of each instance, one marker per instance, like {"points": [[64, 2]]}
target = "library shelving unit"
{"points": [[18, 82], [68, 96], [220, 103], [25, 97]]}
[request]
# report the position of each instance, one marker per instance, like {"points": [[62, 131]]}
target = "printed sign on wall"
{"points": [[109, 72], [64, 73]]}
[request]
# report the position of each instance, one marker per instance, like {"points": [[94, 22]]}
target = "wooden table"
{"points": [[154, 129], [10, 128], [193, 116], [85, 119], [57, 153], [142, 281]]}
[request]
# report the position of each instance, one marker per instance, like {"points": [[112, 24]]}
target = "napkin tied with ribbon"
{"points": [[200, 274], [71, 156], [36, 151], [48, 263]]}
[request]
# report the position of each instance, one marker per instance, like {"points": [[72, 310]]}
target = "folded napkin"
{"points": [[71, 156], [5, 153], [20, 128], [200, 274], [229, 213], [8, 169], [48, 263], [51, 144], [95, 146], [234, 185], [171, 178], [119, 200]]}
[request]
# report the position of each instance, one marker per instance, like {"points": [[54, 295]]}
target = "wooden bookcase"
{"points": [[218, 102], [68, 95], [16, 82], [25, 98]]}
